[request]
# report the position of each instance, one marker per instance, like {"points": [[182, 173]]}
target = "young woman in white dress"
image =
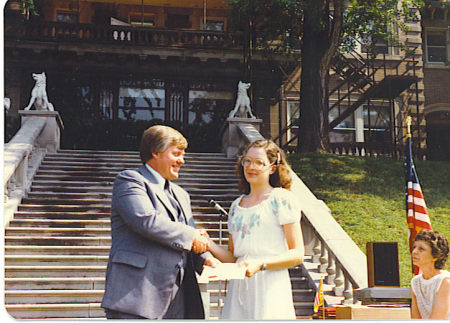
{"points": [[264, 236], [430, 290]]}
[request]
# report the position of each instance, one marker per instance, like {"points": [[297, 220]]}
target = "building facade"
{"points": [[115, 67]]}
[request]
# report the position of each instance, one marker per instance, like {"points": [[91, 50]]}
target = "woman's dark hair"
{"points": [[439, 246], [282, 175]]}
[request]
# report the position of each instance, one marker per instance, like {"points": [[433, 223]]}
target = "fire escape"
{"points": [[365, 79]]}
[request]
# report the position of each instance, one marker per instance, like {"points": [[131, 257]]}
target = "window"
{"points": [[141, 104], [378, 46], [178, 21], [142, 21], [205, 105], [293, 114], [436, 43], [67, 17], [214, 25]]}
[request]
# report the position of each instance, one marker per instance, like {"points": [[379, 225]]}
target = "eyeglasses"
{"points": [[259, 164]]}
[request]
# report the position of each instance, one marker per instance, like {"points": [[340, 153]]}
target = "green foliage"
{"points": [[275, 24], [367, 197], [28, 7], [280, 21], [377, 21]]}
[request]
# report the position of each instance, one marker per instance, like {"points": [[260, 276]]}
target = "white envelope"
{"points": [[223, 271]]}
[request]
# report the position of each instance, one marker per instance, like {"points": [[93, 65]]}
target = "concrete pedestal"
{"points": [[50, 135], [232, 139]]}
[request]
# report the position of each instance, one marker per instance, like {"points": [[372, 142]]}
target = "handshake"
{"points": [[201, 241]]}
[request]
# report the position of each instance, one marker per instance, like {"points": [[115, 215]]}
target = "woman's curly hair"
{"points": [[282, 175], [439, 246]]}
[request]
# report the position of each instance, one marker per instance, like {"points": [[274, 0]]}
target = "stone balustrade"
{"points": [[39, 134], [90, 33]]}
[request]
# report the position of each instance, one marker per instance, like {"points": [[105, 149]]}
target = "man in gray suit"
{"points": [[156, 248]]}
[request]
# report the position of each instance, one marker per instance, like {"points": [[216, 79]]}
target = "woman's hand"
{"points": [[252, 267], [211, 262]]}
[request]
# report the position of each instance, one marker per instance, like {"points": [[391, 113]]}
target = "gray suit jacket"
{"points": [[147, 247]]}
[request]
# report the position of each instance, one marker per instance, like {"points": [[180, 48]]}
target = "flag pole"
{"points": [[409, 154]]}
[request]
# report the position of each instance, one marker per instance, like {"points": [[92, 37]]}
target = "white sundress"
{"points": [[257, 233], [425, 291]]}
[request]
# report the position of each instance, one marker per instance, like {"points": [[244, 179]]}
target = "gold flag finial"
{"points": [[408, 125]]}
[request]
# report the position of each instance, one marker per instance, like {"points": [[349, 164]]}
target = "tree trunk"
{"points": [[319, 44]]}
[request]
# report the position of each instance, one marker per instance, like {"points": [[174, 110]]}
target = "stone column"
{"points": [[359, 125]]}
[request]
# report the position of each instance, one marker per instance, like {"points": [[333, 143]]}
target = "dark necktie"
{"points": [[174, 202]]}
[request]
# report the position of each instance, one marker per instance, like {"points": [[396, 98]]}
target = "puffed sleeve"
{"points": [[285, 207], [231, 212]]}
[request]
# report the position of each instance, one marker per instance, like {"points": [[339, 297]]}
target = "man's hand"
{"points": [[211, 262], [201, 242]]}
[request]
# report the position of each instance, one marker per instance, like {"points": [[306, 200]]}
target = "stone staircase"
{"points": [[56, 247]]}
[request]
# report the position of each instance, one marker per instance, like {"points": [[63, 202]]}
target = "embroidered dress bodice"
{"points": [[425, 291]]}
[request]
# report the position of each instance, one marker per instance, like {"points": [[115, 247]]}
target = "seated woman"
{"points": [[430, 290]]}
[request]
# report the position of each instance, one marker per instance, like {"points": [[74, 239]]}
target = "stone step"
{"points": [[299, 282], [56, 260], [57, 241], [58, 181], [68, 241], [56, 250], [208, 215], [54, 271], [62, 215], [52, 296], [184, 171], [56, 311], [66, 201], [131, 165], [303, 309], [45, 223], [303, 295], [64, 208], [195, 194], [59, 283], [126, 152], [74, 233], [87, 175], [198, 206], [57, 232], [134, 161]]}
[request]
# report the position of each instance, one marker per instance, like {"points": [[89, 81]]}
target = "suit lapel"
{"points": [[160, 194], [181, 202]]}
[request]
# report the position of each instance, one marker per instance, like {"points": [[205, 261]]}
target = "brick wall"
{"points": [[435, 89]]}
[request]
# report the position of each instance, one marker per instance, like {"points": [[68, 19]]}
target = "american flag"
{"points": [[416, 210], [318, 299]]}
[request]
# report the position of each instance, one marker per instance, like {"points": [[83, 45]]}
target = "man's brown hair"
{"points": [[157, 139]]}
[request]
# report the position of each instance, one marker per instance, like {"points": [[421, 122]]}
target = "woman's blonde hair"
{"points": [[282, 175], [157, 139]]}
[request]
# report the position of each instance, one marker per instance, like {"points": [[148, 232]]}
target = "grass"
{"points": [[367, 197]]}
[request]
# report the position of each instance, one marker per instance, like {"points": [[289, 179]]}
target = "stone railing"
{"points": [[335, 255], [39, 134], [90, 33]]}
